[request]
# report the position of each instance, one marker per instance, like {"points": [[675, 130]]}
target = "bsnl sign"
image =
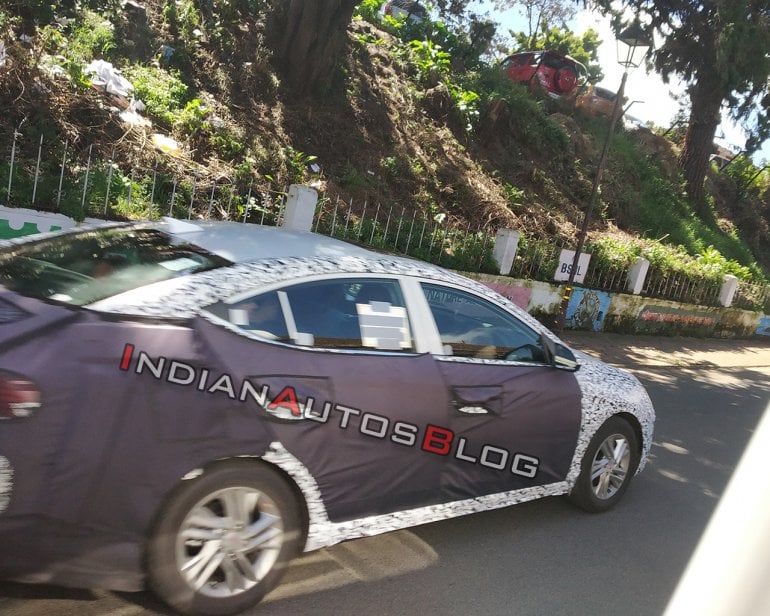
{"points": [[565, 265]]}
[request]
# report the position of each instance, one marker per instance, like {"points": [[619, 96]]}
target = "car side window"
{"points": [[261, 315], [471, 326], [350, 313], [344, 313]]}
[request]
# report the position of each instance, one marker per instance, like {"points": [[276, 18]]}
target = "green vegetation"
{"points": [[665, 213], [667, 259], [163, 91], [89, 39], [419, 119]]}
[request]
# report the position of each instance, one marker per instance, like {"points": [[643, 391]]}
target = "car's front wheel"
{"points": [[222, 540], [608, 465]]}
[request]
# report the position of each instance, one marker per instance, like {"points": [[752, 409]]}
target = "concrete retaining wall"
{"points": [[594, 310]]}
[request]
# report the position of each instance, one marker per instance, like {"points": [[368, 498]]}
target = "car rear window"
{"points": [[81, 268]]}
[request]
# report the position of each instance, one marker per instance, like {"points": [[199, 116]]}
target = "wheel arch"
{"points": [[634, 422], [244, 460], [299, 497]]}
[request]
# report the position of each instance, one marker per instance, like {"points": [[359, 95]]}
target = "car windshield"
{"points": [[85, 267]]}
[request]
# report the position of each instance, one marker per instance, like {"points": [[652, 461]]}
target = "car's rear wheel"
{"points": [[608, 465], [223, 539]]}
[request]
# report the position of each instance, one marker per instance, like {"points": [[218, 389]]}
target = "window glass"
{"points": [[261, 315], [470, 326], [340, 314], [85, 267]]}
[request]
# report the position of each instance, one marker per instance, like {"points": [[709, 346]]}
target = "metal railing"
{"points": [[415, 234], [79, 181], [678, 287], [536, 259], [604, 277], [750, 296]]}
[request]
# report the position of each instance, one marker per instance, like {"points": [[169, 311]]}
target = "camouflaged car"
{"points": [[188, 406]]}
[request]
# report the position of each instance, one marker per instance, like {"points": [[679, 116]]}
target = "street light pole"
{"points": [[590, 205], [636, 40], [627, 107]]}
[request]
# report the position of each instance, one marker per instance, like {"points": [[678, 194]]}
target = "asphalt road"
{"points": [[539, 558]]}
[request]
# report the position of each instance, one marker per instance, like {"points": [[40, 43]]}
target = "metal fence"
{"points": [[394, 230], [536, 259], [606, 277], [749, 296], [679, 287], [79, 181]]}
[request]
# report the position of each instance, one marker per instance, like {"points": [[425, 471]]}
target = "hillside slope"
{"points": [[387, 131]]}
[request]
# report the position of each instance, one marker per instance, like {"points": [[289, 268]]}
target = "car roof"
{"points": [[605, 93], [241, 242], [267, 256], [549, 53]]}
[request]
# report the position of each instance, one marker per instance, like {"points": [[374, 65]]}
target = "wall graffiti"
{"points": [[587, 309], [518, 295], [658, 318], [18, 222]]}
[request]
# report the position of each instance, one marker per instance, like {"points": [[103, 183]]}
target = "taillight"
{"points": [[19, 397]]}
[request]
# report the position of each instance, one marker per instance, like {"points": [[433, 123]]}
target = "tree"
{"points": [[307, 39], [539, 14], [720, 49], [452, 9]]}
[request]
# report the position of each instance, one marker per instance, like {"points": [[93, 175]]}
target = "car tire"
{"points": [[608, 466], [223, 539]]}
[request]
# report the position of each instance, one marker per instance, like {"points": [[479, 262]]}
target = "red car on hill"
{"points": [[555, 74]]}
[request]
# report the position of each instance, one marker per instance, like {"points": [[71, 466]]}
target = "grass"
{"points": [[663, 212]]}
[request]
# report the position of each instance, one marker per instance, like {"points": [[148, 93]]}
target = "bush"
{"points": [[608, 252], [91, 38], [164, 92], [529, 122]]}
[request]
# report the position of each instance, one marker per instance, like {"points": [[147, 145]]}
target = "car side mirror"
{"points": [[558, 356]]}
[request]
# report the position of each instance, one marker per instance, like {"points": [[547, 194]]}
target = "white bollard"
{"points": [[726, 294], [637, 274], [300, 208], [504, 252]]}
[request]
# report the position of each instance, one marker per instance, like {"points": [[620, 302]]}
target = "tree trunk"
{"points": [[706, 101], [307, 38]]}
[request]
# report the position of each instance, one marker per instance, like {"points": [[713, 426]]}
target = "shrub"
{"points": [[91, 38], [164, 92]]}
